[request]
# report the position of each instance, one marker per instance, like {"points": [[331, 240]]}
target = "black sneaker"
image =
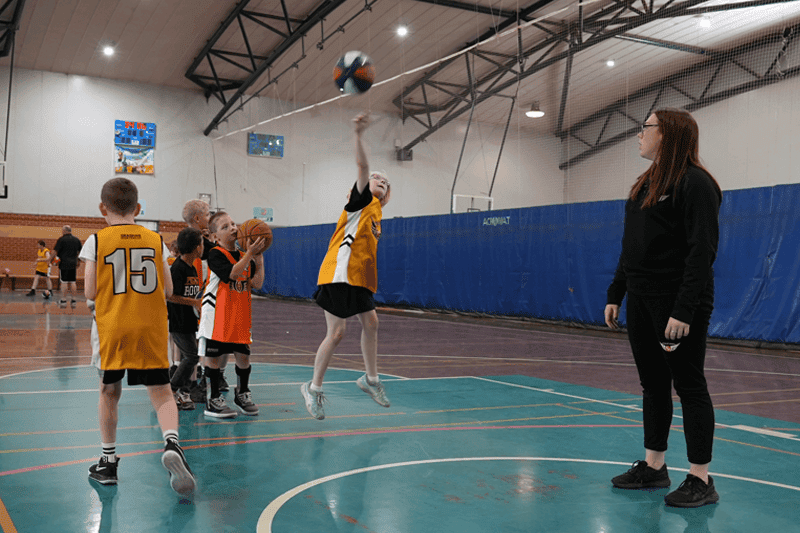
{"points": [[223, 385], [693, 492], [104, 472], [180, 475], [183, 401], [641, 476], [245, 402], [197, 393], [46, 295], [217, 408], [31, 293]]}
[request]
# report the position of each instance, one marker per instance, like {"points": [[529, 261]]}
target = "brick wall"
{"points": [[20, 233]]}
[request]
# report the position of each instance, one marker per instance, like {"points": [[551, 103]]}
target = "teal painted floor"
{"points": [[505, 454]]}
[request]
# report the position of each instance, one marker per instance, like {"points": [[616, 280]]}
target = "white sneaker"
{"points": [[314, 401]]}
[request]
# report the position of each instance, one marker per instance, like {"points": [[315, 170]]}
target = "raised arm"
{"points": [[361, 123]]}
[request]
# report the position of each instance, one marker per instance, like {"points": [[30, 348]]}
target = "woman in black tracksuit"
{"points": [[668, 248]]}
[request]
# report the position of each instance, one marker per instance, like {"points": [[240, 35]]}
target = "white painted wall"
{"points": [[750, 140], [746, 141], [49, 172]]}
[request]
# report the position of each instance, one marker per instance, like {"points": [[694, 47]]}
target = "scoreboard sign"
{"points": [[264, 145], [135, 133]]}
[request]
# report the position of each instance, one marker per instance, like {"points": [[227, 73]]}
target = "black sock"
{"points": [[214, 375], [243, 375]]}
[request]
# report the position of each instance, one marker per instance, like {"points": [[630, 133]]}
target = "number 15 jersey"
{"points": [[130, 307]]}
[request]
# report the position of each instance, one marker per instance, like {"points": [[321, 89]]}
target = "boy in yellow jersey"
{"points": [[348, 278], [226, 313], [128, 280], [42, 271]]}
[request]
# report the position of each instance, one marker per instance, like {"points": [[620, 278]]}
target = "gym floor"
{"points": [[495, 425]]}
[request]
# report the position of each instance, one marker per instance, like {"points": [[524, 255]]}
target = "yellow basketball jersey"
{"points": [[130, 307], [353, 250], [41, 262]]}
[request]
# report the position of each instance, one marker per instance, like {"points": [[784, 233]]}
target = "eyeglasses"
{"points": [[380, 179], [645, 126]]}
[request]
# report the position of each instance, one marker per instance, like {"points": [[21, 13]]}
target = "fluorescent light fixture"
{"points": [[402, 31], [535, 112]]}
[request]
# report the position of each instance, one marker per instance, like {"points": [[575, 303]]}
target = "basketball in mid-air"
{"points": [[252, 230], [354, 73]]}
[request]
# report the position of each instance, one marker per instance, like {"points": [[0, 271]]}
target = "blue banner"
{"points": [[556, 262]]}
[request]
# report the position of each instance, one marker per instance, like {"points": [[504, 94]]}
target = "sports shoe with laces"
{"points": [[693, 492], [217, 408], [31, 292], [180, 475], [104, 472], [46, 295], [245, 402], [377, 391], [223, 384], [314, 401], [183, 401], [642, 476]]}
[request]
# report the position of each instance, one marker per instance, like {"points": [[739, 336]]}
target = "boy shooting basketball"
{"points": [[128, 279], [348, 278], [225, 317]]}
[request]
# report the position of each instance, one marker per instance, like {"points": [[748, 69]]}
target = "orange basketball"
{"points": [[252, 230]]}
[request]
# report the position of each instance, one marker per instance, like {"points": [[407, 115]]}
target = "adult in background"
{"points": [[66, 250], [668, 248]]}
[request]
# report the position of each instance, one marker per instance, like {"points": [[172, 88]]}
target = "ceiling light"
{"points": [[402, 31], [108, 50], [610, 63], [535, 112], [704, 22]]}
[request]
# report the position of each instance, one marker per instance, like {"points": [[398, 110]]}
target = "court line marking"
{"points": [[455, 357], [142, 389], [6, 523], [551, 391], [267, 517]]}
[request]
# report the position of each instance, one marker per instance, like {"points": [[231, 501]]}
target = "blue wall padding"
{"points": [[556, 262]]}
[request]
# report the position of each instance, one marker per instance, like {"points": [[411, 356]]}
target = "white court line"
{"points": [[143, 389], [551, 391], [264, 524]]}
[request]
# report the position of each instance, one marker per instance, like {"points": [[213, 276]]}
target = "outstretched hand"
{"points": [[361, 123]]}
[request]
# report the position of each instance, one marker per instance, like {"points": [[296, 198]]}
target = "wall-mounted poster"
{"points": [[134, 133], [133, 160], [263, 213], [264, 145]]}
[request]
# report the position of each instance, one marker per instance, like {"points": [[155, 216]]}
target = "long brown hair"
{"points": [[679, 148]]}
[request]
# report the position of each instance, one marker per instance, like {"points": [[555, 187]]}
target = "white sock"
{"points": [[315, 388], [110, 451], [170, 434], [372, 380]]}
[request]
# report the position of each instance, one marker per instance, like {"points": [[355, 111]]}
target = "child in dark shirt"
{"points": [[181, 307]]}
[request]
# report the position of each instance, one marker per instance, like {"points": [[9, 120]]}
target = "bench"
{"points": [[20, 277]]}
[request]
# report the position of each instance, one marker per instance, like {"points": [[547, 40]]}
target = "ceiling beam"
{"points": [[692, 88], [474, 8], [610, 22], [260, 63]]}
